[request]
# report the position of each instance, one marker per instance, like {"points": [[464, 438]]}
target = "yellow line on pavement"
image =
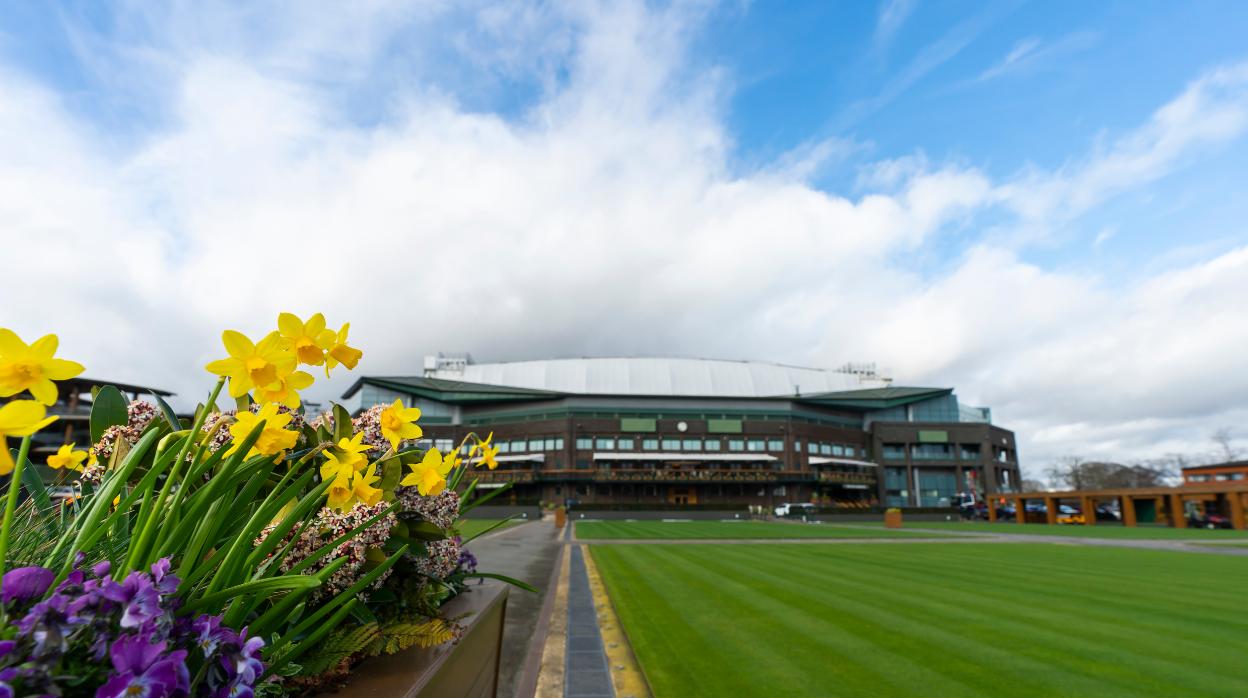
{"points": [[626, 674], [550, 678]]}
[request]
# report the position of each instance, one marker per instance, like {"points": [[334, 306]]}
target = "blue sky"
{"points": [[1038, 202]]}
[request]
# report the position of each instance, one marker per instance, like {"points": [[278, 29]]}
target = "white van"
{"points": [[795, 509]]}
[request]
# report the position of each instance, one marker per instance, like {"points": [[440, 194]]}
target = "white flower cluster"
{"points": [[330, 525]]}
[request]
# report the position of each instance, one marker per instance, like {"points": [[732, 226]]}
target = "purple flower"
{"points": [[210, 634], [166, 583], [138, 597], [47, 624], [142, 668], [102, 569], [6, 682], [240, 660], [26, 584]]}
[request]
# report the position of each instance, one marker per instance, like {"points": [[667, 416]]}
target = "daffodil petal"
{"points": [[62, 369], [10, 343], [45, 346], [237, 345], [44, 391], [290, 325]]}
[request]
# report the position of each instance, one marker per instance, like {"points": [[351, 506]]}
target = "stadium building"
{"points": [[682, 431]]}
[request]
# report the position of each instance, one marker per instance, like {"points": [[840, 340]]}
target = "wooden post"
{"points": [[1020, 510], [1088, 505], [1178, 517], [1050, 510], [992, 509], [1237, 509], [1128, 511]]}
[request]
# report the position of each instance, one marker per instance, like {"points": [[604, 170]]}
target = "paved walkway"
{"points": [[527, 552]]}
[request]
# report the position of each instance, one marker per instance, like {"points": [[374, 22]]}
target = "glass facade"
{"points": [[937, 486]]}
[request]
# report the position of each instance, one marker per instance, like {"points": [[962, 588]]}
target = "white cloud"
{"points": [[609, 218]]}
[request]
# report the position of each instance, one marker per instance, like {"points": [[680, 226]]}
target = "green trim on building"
{"points": [[723, 426], [933, 437], [639, 424]]}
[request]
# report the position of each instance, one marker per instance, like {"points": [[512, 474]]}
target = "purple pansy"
{"points": [[139, 599], [26, 584], [144, 668]]}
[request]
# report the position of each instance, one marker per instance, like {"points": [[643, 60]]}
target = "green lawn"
{"points": [[667, 530], [931, 619], [470, 527], [1102, 530]]}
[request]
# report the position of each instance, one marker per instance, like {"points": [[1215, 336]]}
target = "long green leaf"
{"points": [[209, 602], [170, 416], [108, 409], [504, 578], [309, 642]]}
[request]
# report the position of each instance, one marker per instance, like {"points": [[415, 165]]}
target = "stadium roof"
{"points": [[660, 377]]}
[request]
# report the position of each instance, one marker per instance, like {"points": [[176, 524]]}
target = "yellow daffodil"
{"points": [[308, 340], [249, 365], [334, 468], [67, 457], [286, 390], [340, 353], [340, 495], [351, 451], [273, 439], [32, 367], [19, 418], [489, 456], [429, 475], [363, 486], [487, 452], [398, 423]]}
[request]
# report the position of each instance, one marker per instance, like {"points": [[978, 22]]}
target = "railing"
{"points": [[506, 476], [854, 478], [699, 475]]}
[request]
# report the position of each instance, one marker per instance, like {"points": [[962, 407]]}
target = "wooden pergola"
{"points": [[1169, 499]]}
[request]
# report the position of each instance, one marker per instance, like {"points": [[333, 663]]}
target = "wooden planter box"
{"points": [[467, 669], [892, 519]]}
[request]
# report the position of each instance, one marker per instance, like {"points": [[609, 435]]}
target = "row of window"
{"points": [[1219, 477], [611, 443], [931, 451]]}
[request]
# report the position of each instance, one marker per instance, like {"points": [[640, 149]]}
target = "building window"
{"points": [[813, 448], [627, 444], [691, 445], [712, 444], [756, 445], [503, 447], [671, 444], [444, 445], [838, 450], [517, 447], [825, 449], [582, 490], [931, 451], [584, 444], [604, 444], [968, 451], [536, 445], [736, 445], [894, 451], [797, 446], [559, 443], [650, 444], [775, 445]]}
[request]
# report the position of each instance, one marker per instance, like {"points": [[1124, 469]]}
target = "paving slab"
{"points": [[587, 674]]}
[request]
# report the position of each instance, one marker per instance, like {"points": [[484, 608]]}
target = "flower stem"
{"points": [[10, 506]]}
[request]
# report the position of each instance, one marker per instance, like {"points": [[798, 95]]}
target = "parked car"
{"points": [[1106, 513], [794, 509], [1209, 521]]}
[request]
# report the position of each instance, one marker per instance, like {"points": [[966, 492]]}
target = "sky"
{"points": [[1038, 203]]}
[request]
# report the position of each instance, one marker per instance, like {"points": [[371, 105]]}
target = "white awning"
{"points": [[532, 458], [726, 457], [824, 460]]}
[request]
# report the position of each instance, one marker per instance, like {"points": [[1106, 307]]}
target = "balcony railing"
{"points": [[506, 476], [848, 478], [699, 475]]}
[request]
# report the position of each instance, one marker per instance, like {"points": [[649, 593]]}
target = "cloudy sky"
{"points": [[1040, 203]]}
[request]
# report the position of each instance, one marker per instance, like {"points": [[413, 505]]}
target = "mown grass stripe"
{"points": [[1031, 619], [706, 530]]}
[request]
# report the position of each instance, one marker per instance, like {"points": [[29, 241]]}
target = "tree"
{"points": [[1029, 485], [1225, 440], [1072, 472]]}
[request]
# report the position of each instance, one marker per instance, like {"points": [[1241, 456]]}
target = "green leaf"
{"points": [[342, 423], [504, 578], [108, 410], [34, 484], [259, 586], [170, 416], [391, 473]]}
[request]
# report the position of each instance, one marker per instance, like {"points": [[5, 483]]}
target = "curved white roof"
{"points": [[659, 376]]}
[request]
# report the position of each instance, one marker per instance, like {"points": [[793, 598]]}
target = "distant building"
{"points": [[707, 432], [73, 409], [1196, 475]]}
